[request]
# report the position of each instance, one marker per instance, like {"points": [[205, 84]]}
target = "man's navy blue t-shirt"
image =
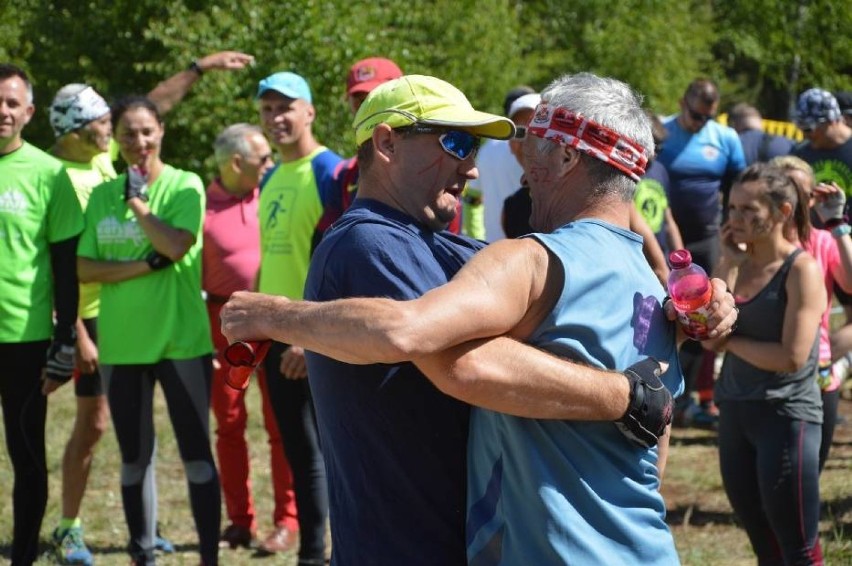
{"points": [[760, 146], [394, 446]]}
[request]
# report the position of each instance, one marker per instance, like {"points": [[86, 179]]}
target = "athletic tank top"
{"points": [[794, 394]]}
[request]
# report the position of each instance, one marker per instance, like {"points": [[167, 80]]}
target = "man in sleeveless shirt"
{"points": [[522, 471]]}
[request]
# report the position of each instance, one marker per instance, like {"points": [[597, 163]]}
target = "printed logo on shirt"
{"points": [[650, 199], [281, 205], [834, 171], [710, 153], [112, 231], [13, 201]]}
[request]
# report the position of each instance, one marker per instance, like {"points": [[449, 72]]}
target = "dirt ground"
{"points": [[704, 526]]}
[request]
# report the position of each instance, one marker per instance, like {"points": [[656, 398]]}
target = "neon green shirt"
{"points": [[159, 315], [85, 177], [37, 208], [292, 201]]}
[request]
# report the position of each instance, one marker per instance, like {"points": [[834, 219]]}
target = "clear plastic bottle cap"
{"points": [[679, 259]]}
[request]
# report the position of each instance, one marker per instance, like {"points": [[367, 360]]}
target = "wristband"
{"points": [[841, 230], [195, 68], [157, 261]]}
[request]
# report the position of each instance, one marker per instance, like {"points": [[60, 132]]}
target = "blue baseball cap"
{"points": [[289, 84]]}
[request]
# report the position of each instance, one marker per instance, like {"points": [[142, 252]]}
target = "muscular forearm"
{"points": [[504, 375], [357, 331], [90, 270], [171, 242]]}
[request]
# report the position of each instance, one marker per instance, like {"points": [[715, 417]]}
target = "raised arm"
{"points": [[829, 205], [172, 90]]}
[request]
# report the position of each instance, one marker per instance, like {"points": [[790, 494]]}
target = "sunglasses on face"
{"points": [[809, 128], [698, 116], [458, 143]]}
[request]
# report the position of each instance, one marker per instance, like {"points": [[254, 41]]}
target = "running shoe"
{"points": [[70, 548]]}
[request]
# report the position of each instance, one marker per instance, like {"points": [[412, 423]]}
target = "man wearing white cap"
{"points": [[80, 118], [385, 425], [499, 175]]}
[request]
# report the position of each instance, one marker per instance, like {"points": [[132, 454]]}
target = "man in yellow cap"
{"points": [[391, 436]]}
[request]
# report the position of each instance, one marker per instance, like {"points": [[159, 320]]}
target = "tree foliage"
{"points": [[763, 51]]}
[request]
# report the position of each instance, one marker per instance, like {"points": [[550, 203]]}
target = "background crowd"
{"points": [[151, 234]]}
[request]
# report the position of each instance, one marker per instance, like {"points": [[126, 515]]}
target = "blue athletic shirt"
{"points": [[394, 445], [697, 164], [578, 493]]}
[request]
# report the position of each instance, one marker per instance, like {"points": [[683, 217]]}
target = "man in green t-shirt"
{"points": [[80, 118], [40, 222]]}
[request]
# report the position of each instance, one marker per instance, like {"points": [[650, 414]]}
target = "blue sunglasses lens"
{"points": [[459, 144]]}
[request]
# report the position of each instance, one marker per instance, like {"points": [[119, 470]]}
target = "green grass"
{"points": [[704, 527]]}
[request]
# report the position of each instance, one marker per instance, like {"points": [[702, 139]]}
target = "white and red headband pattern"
{"points": [[562, 126]]}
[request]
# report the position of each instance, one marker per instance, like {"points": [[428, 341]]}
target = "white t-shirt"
{"points": [[499, 177]]}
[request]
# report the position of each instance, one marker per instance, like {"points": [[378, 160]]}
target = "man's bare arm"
{"points": [[172, 90], [504, 375], [494, 292]]}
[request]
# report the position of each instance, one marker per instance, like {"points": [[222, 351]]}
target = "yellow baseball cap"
{"points": [[425, 100]]}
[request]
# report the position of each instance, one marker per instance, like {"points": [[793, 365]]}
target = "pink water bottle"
{"points": [[690, 290]]}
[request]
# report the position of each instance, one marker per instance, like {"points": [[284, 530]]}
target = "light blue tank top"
{"points": [[559, 492]]}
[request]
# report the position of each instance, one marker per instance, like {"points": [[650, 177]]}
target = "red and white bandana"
{"points": [[564, 127]]}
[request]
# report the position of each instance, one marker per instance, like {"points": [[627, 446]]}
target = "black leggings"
{"points": [[769, 467], [186, 387], [294, 412], [24, 413]]}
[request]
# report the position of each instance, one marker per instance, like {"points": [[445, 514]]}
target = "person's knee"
{"points": [[133, 474], [199, 471], [92, 421]]}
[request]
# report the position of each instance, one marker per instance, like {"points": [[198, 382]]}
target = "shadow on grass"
{"points": [[704, 440], [696, 517], [839, 511]]}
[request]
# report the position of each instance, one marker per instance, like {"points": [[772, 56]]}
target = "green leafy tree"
{"points": [[775, 49], [765, 51]]}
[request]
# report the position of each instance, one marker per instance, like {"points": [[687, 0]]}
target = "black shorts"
{"points": [[89, 384]]}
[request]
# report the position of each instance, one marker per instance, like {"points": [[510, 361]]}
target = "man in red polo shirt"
{"points": [[231, 261]]}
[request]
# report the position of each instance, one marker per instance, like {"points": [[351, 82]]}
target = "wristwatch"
{"points": [[195, 68]]}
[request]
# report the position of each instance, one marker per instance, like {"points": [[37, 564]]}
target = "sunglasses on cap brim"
{"points": [[458, 143]]}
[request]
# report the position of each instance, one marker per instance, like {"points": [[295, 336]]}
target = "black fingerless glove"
{"points": [[157, 261], [62, 355], [136, 184], [650, 408]]}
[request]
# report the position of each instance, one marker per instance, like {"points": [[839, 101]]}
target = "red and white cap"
{"points": [[367, 74]]}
